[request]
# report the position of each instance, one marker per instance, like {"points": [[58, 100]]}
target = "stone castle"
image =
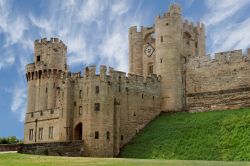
{"points": [[168, 71]]}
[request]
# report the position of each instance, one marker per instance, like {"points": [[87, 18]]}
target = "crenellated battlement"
{"points": [[220, 58], [174, 9], [189, 25], [109, 74], [30, 67], [135, 29], [164, 16], [53, 41]]}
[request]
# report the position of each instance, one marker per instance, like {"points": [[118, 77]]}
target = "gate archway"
{"points": [[78, 132]]}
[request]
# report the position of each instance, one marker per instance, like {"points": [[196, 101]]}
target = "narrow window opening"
{"points": [[119, 88], [142, 96], [46, 90], [97, 89], [75, 103], [50, 132], [196, 45], [96, 135], [108, 135], [121, 137], [40, 135], [38, 58], [32, 115], [161, 38], [31, 134], [97, 107], [41, 113], [39, 74], [161, 60]]}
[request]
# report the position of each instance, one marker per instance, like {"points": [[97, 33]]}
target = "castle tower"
{"points": [[135, 51], [168, 31], [44, 78]]}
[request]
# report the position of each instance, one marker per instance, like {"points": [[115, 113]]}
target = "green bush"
{"points": [[9, 140]]}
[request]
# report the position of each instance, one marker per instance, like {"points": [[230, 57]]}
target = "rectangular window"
{"points": [[38, 58], [161, 38], [31, 134], [97, 106], [41, 113], [80, 110], [121, 137], [96, 135], [80, 94], [50, 132], [97, 89], [40, 134], [196, 45], [31, 114], [51, 111]]}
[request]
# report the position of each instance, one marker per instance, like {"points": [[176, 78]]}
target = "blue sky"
{"points": [[95, 32]]}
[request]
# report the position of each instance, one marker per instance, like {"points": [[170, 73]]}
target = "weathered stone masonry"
{"points": [[168, 71]]}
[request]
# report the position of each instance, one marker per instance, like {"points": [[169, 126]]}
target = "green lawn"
{"points": [[219, 135], [33, 160]]}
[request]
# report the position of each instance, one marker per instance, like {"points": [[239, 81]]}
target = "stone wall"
{"points": [[220, 83], [74, 148], [9, 147]]}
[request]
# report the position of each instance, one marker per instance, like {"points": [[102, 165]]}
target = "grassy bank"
{"points": [[219, 135], [31, 160]]}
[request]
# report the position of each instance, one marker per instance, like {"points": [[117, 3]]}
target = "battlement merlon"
{"points": [[52, 41]]}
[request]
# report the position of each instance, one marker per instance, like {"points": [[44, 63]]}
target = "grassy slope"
{"points": [[220, 135], [31, 160]]}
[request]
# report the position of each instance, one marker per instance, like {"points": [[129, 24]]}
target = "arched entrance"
{"points": [[78, 132]]}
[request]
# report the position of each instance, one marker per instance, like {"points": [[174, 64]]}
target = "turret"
{"points": [[51, 54], [135, 50], [168, 31]]}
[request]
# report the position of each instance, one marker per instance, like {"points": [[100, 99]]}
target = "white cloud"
{"points": [[18, 104], [120, 7], [232, 37], [225, 31], [91, 10], [221, 10], [11, 25], [6, 59]]}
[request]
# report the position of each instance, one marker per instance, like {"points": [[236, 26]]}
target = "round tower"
{"points": [[44, 75], [168, 31]]}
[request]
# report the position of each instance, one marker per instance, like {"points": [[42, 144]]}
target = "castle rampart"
{"points": [[205, 76]]}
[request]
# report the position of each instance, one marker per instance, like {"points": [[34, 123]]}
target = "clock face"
{"points": [[149, 50]]}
